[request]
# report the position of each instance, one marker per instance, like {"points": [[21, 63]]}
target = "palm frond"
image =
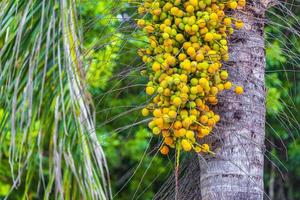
{"points": [[47, 134]]}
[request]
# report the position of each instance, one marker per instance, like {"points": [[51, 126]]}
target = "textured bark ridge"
{"points": [[236, 171]]}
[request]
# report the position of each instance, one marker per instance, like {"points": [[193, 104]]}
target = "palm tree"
{"points": [[236, 171], [47, 136]]}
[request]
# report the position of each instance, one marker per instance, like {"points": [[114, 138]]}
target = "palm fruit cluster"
{"points": [[187, 46]]}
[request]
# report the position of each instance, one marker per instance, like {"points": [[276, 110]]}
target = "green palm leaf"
{"points": [[47, 135]]}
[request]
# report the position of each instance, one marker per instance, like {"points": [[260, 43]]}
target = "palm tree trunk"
{"points": [[236, 171]]}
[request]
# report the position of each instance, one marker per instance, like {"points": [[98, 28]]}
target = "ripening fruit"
{"points": [[239, 90], [186, 145], [224, 75], [194, 2], [208, 37], [227, 21], [199, 57], [203, 119], [164, 150], [177, 101], [157, 113], [156, 130], [227, 85], [172, 114], [217, 118], [149, 90], [145, 112], [205, 148], [232, 5], [239, 24], [141, 23], [184, 56], [190, 135], [190, 9], [179, 37], [191, 51], [156, 67], [242, 3]]}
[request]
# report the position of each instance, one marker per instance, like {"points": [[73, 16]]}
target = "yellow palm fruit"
{"points": [[167, 6], [227, 21], [227, 85], [195, 28], [224, 75], [168, 140], [194, 90], [182, 132], [201, 23], [199, 57], [165, 133], [186, 122], [186, 145], [232, 5], [220, 13], [242, 3], [205, 131], [198, 149], [141, 10], [171, 60], [168, 22], [156, 130], [177, 125], [177, 101], [239, 24], [159, 121], [203, 119], [181, 57], [190, 135], [164, 150], [149, 29], [213, 16], [205, 147], [174, 10], [145, 112], [156, 67], [157, 113], [217, 118], [191, 51], [179, 37], [183, 78], [239, 90], [208, 37], [190, 9], [172, 114], [165, 110], [186, 45], [211, 122], [176, 133], [193, 2], [149, 90], [141, 23], [214, 90], [157, 11]]}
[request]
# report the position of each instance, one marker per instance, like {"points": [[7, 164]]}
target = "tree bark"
{"points": [[236, 171]]}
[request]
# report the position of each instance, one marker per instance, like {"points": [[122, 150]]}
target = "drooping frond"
{"points": [[47, 136]]}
